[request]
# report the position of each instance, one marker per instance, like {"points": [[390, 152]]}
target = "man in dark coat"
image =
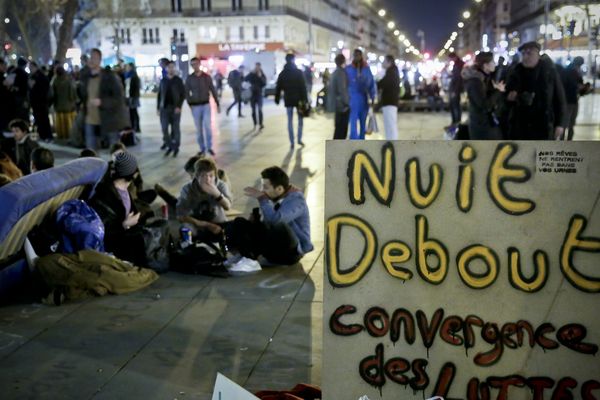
{"points": [[389, 86], [338, 99], [455, 88], [39, 88], [20, 146], [537, 98], [258, 81], [132, 95], [234, 80], [572, 80], [20, 90], [171, 94], [291, 81], [103, 103], [6, 99]]}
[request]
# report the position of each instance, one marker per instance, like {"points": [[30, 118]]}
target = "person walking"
{"points": [[338, 100], [219, 83], [389, 86], [291, 82], [362, 88], [572, 80], [537, 97], [65, 102], [171, 94], [485, 95], [258, 81], [308, 78], [455, 88], [234, 80], [103, 104], [132, 95], [39, 91], [198, 88]]}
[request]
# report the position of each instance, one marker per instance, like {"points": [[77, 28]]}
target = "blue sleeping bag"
{"points": [[80, 227]]}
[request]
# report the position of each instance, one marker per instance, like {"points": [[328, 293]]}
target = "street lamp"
{"points": [[396, 32], [391, 25], [461, 24], [382, 13], [6, 20], [466, 15]]}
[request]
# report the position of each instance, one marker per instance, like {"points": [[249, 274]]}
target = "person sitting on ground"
{"points": [[203, 202], [19, 149], [41, 159], [5, 180], [189, 168], [114, 204], [8, 167], [87, 153], [285, 235]]}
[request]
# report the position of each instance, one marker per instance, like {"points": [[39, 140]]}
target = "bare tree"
{"points": [[64, 39]]}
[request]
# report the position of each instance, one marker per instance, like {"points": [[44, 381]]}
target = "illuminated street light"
{"points": [[391, 25], [382, 13], [401, 38], [477, 1], [6, 20], [466, 15], [396, 32], [461, 24]]}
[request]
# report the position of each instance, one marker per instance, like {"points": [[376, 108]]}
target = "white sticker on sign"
{"points": [[226, 389], [560, 162]]}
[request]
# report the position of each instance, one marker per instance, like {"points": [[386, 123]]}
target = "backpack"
{"points": [[80, 227], [198, 259]]}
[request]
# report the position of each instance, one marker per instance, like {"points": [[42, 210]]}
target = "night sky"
{"points": [[437, 18]]}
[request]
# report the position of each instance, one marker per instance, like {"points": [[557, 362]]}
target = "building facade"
{"points": [[227, 33]]}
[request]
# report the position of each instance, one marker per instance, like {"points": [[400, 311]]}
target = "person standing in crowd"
{"points": [[308, 79], [219, 83], [362, 88], [501, 70], [171, 94], [325, 77], [198, 88], [20, 147], [291, 82], [19, 88], [389, 86], [537, 97], [64, 100], [258, 81], [6, 99], [431, 91], [39, 91], [338, 100], [485, 95], [132, 95], [572, 80], [163, 63], [41, 159], [103, 103], [234, 80], [455, 88]]}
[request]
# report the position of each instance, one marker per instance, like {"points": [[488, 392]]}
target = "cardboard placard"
{"points": [[226, 389], [465, 270]]}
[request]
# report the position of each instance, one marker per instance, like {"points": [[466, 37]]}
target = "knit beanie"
{"points": [[125, 165]]}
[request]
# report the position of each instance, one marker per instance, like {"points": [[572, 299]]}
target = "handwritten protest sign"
{"points": [[468, 270]]}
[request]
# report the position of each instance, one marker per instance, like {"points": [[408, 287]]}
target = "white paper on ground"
{"points": [[226, 389]]}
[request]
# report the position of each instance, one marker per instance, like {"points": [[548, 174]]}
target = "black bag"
{"points": [[304, 108], [202, 259], [158, 242]]}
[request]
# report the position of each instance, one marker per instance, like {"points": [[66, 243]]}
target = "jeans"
{"points": [[290, 118], [201, 115], [168, 117], [341, 125], [455, 109], [93, 132], [257, 102], [572, 111], [237, 99], [390, 122], [40, 114], [358, 113]]}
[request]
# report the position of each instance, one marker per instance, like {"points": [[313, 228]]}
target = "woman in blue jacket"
{"points": [[361, 86]]}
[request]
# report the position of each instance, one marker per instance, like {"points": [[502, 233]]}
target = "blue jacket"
{"points": [[293, 211], [361, 85]]}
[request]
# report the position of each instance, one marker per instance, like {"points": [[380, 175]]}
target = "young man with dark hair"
{"points": [[171, 94], [390, 94], [198, 89], [291, 82], [41, 159], [19, 149], [455, 88], [285, 231]]}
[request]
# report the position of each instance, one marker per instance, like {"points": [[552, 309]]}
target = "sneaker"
{"points": [[232, 260], [245, 265]]}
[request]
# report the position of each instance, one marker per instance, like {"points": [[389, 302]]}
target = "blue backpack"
{"points": [[80, 227]]}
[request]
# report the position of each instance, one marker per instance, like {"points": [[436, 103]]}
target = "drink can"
{"points": [[186, 235], [165, 211]]}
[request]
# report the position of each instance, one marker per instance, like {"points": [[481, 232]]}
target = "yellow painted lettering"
{"points": [[572, 243], [515, 275], [476, 280], [465, 185], [422, 198], [396, 253], [426, 247], [362, 169]]}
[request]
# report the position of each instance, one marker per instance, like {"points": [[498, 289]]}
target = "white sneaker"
{"points": [[245, 265], [232, 259]]}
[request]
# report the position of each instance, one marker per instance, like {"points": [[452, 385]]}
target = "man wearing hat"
{"points": [[572, 80], [538, 109], [113, 203]]}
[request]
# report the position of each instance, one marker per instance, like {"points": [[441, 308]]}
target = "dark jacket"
{"points": [[572, 83], [234, 80], [338, 99], [134, 86], [199, 88], [171, 93], [456, 80], [40, 90], [113, 112], [20, 153], [7, 104], [20, 92], [257, 83], [291, 81], [390, 87], [64, 95], [534, 117], [483, 102]]}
